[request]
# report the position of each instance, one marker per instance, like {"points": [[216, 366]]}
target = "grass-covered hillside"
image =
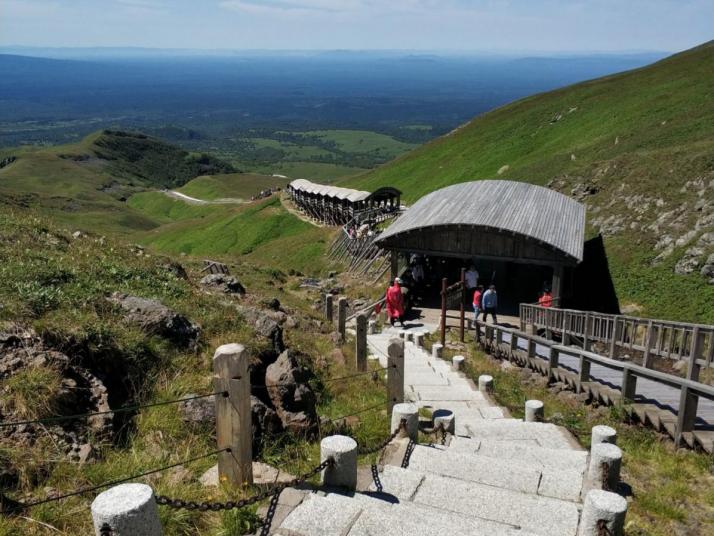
{"points": [[636, 147], [231, 186]]}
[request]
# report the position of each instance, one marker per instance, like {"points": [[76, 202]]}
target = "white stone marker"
{"points": [[603, 434], [534, 411], [343, 450], [128, 509], [485, 383], [403, 334], [437, 350], [419, 339], [372, 327], [603, 506], [444, 417], [457, 362], [408, 335], [605, 453], [407, 411]]}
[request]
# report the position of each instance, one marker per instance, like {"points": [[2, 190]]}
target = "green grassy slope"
{"points": [[230, 185], [637, 148], [263, 232]]}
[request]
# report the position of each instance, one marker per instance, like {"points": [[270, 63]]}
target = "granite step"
{"points": [[526, 450], [513, 474], [382, 515], [544, 434], [540, 515]]}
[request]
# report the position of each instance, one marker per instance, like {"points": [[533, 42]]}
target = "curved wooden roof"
{"points": [[538, 214], [328, 191]]}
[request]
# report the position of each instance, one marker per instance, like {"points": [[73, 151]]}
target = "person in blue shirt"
{"points": [[489, 303]]}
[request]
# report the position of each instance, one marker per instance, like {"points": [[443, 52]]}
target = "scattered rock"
{"points": [[262, 474], [178, 475], [155, 318], [337, 357], [176, 269], [264, 422], [223, 283], [293, 399], [78, 234], [199, 410], [336, 338]]}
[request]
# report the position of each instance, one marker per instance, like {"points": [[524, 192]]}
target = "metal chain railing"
{"points": [[387, 441], [105, 530], [122, 409], [441, 429], [602, 529], [204, 506], [408, 453]]}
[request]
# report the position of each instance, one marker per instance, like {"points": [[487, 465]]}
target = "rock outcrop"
{"points": [[290, 393], [225, 284], [155, 318]]}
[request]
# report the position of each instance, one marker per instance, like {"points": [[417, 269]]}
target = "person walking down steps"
{"points": [[478, 293], [395, 303], [489, 302]]}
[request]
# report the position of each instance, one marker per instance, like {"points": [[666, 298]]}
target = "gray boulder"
{"points": [[292, 397], [223, 283], [155, 318], [264, 422], [199, 410]]}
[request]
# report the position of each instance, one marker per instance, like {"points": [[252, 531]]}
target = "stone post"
{"points": [[409, 412], [604, 469], [603, 434], [603, 509], [437, 350], [328, 307], [361, 343], [457, 362], [534, 411], [233, 414], [372, 327], [342, 317], [419, 339], [395, 372], [485, 383], [445, 418], [128, 510], [343, 451]]}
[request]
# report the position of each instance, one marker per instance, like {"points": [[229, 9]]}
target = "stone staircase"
{"points": [[496, 476]]}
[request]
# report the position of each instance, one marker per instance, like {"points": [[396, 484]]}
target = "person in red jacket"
{"points": [[477, 301], [395, 303], [546, 300]]}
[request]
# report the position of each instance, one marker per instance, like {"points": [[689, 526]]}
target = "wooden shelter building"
{"points": [[517, 234]]}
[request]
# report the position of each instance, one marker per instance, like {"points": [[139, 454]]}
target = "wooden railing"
{"points": [[681, 426], [653, 338]]}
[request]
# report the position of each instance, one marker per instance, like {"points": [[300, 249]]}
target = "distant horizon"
{"points": [[542, 27]]}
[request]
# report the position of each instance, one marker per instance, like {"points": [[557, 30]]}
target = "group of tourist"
{"points": [[265, 193]]}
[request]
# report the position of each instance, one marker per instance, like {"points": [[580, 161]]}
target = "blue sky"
{"points": [[467, 25]]}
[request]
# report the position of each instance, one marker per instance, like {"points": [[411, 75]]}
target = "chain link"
{"points": [[602, 529], [383, 444], [105, 530], [180, 504]]}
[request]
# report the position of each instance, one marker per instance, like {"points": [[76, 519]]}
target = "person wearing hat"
{"points": [[395, 303]]}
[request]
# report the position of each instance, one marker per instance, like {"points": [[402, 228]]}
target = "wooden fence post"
{"points": [[586, 333], [552, 362], [614, 336], [328, 307], [647, 357], [688, 402], [342, 316], [444, 283], [395, 373], [565, 336], [361, 343], [233, 414], [629, 384], [463, 303]]}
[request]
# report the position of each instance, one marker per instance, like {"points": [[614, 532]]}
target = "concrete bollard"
{"points": [[407, 411], [603, 508], [604, 469], [534, 411], [485, 383], [395, 372], [446, 418], [603, 434], [343, 472], [437, 350], [409, 336], [419, 339], [372, 327], [402, 334], [457, 362], [128, 509]]}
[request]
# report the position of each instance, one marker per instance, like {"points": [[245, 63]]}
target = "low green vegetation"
{"points": [[671, 488], [164, 209], [231, 186], [635, 147]]}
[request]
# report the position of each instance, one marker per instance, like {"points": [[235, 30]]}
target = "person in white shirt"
{"points": [[471, 280]]}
